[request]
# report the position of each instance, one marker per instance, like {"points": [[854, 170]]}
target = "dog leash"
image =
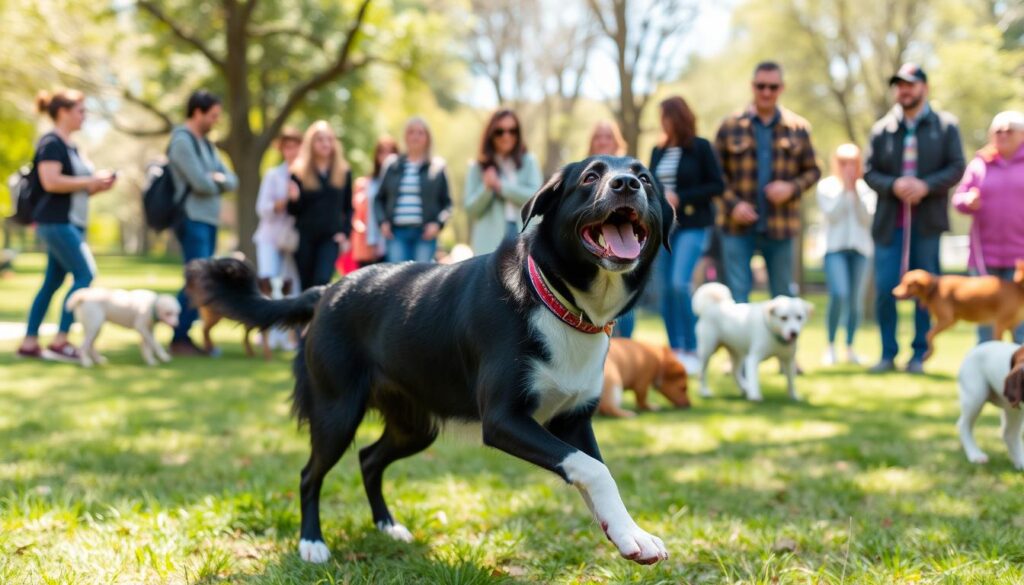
{"points": [[974, 243], [905, 253]]}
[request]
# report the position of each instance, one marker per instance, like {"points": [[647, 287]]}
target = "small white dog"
{"points": [[135, 309], [750, 332], [981, 379]]}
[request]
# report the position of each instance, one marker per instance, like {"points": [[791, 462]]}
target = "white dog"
{"points": [[135, 309], [750, 332], [981, 379]]}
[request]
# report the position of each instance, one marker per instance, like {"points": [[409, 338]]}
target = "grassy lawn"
{"points": [[188, 474]]}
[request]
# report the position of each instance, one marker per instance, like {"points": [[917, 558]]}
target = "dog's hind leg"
{"points": [[332, 427], [400, 439], [973, 393], [1012, 419]]}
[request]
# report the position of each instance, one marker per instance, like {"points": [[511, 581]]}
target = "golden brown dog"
{"points": [[979, 299], [638, 366]]}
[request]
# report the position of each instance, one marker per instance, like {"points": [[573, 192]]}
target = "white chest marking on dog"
{"points": [[573, 376], [607, 296]]}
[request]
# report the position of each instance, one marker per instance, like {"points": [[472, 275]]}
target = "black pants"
{"points": [[315, 259]]}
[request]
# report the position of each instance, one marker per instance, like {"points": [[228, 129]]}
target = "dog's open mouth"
{"points": [[621, 236]]}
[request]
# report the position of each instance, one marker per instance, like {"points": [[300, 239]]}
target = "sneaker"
{"points": [[186, 349], [64, 352], [852, 357], [883, 366], [829, 359], [914, 367], [34, 353]]}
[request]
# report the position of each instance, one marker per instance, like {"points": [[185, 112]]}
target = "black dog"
{"points": [[515, 340]]}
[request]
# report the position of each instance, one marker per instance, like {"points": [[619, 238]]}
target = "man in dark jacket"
{"points": [[913, 159]]}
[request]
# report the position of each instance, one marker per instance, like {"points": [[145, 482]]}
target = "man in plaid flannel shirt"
{"points": [[768, 162]]}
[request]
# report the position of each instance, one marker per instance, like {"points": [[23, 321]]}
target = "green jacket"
{"points": [[486, 208]]}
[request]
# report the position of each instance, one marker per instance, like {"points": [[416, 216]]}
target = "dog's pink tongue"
{"points": [[621, 240]]}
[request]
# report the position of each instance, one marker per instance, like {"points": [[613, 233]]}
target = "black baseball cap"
{"points": [[909, 72]]}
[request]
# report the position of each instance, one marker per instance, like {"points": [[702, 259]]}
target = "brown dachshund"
{"points": [[952, 298], [637, 366]]}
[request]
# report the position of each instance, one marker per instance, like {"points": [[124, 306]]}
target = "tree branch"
{"points": [[284, 29], [187, 37], [340, 66]]}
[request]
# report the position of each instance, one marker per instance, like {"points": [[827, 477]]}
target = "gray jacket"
{"points": [[940, 163], [192, 172], [486, 209]]}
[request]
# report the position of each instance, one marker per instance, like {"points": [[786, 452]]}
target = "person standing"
{"points": [[413, 202], [847, 205], [276, 228], [606, 139], [322, 204], [992, 192], [915, 157], [687, 170], [200, 178], [768, 162], [368, 245], [64, 181], [500, 181]]}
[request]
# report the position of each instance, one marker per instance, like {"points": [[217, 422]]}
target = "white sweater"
{"points": [[847, 215]]}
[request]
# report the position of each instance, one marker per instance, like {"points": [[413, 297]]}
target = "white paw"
{"points": [[637, 545], [978, 457], [314, 551], [86, 362], [755, 397], [166, 358], [396, 531]]}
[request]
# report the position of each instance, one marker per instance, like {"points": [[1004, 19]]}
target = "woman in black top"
{"points": [[64, 180], [320, 198], [686, 168]]}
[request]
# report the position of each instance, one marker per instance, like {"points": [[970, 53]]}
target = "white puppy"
{"points": [[750, 332], [136, 309], [981, 379]]}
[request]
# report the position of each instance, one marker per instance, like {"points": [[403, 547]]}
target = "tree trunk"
{"points": [[247, 167]]}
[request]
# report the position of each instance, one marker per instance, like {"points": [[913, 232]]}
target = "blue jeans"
{"points": [[737, 251], [66, 251], [408, 244], [985, 332], [676, 278], [924, 254], [198, 240], [844, 275]]}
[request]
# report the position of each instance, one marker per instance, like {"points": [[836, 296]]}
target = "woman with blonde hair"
{"points": [[322, 204], [607, 139], [847, 205], [413, 202], [64, 181]]}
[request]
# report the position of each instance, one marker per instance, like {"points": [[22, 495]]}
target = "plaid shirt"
{"points": [[792, 160]]}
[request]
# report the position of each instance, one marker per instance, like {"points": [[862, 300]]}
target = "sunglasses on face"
{"points": [[769, 86], [499, 132]]}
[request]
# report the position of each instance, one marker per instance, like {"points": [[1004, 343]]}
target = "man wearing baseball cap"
{"points": [[914, 157]]}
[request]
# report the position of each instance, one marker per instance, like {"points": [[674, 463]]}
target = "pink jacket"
{"points": [[999, 223]]}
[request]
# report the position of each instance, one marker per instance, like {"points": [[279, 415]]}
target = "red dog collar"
{"points": [[577, 321]]}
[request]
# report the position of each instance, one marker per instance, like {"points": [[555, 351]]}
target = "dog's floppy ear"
{"points": [[545, 199]]}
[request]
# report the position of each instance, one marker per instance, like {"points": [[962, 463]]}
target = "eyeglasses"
{"points": [[1005, 130], [769, 86], [499, 132]]}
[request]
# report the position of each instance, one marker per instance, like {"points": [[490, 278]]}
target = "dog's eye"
{"points": [[645, 179], [785, 317], [591, 177]]}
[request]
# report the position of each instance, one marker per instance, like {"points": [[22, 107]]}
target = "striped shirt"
{"points": [[668, 166], [409, 205]]}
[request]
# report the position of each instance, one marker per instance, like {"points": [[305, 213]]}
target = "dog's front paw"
{"points": [[164, 357], [396, 531], [637, 545], [86, 362], [314, 551], [754, 396], [979, 458]]}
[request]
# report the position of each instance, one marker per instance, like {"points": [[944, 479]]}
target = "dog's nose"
{"points": [[625, 185]]}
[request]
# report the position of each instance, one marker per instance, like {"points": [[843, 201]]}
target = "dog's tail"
{"points": [[708, 295], [229, 286], [76, 298]]}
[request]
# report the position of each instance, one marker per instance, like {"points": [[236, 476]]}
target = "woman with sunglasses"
{"points": [[992, 191], [501, 179]]}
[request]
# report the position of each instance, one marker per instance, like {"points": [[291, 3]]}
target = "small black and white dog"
{"points": [[514, 340]]}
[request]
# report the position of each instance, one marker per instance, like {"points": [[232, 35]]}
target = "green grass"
{"points": [[188, 474]]}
